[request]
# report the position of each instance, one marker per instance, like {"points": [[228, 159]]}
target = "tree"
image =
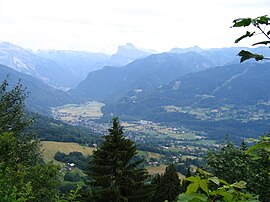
{"points": [[14, 120], [167, 185], [231, 163], [260, 23], [23, 174], [228, 163], [115, 175], [185, 183]]}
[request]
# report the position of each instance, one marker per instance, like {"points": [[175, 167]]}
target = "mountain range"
{"points": [[203, 89], [111, 83], [227, 99], [78, 63], [237, 84], [46, 73], [63, 68]]}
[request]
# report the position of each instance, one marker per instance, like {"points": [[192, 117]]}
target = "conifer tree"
{"points": [[115, 175], [169, 185], [185, 183]]}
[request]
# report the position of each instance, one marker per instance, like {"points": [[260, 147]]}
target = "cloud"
{"points": [[142, 11], [104, 24]]}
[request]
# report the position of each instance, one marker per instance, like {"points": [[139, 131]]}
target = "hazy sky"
{"points": [[102, 25]]}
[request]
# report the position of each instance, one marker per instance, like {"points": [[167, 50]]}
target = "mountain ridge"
{"points": [[144, 74], [41, 96]]}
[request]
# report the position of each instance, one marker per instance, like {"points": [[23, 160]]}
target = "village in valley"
{"points": [[157, 144]]}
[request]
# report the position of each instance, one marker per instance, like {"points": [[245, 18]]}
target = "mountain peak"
{"points": [[126, 47], [127, 53], [130, 45], [184, 50], [10, 46]]}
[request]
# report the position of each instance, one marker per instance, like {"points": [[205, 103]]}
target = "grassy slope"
{"points": [[50, 148]]}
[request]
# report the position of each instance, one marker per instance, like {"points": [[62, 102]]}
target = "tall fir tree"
{"points": [[185, 183], [115, 175], [167, 185]]}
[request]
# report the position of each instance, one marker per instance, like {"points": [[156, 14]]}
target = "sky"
{"points": [[102, 25]]}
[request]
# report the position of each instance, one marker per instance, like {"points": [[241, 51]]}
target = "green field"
{"points": [[206, 142], [159, 131], [50, 148], [72, 112], [184, 157], [188, 136], [149, 155], [156, 169]]}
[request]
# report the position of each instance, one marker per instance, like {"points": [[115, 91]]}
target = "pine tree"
{"points": [[115, 175], [169, 185]]}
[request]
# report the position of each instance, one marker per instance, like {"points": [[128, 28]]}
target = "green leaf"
{"points": [[203, 172], [184, 197], [192, 188], [223, 182], [220, 192], [204, 186], [263, 20], [242, 22], [228, 196], [248, 34], [194, 197], [214, 179], [241, 184], [262, 145], [261, 43], [194, 179], [245, 55]]}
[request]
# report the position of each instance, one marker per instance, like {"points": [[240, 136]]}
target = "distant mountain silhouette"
{"points": [[79, 63], [144, 74], [127, 54], [41, 68]]}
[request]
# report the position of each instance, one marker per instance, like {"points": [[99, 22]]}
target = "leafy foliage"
{"points": [[257, 23], [228, 163], [245, 55], [23, 174], [233, 163], [12, 105], [262, 146], [73, 157], [206, 188]]}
